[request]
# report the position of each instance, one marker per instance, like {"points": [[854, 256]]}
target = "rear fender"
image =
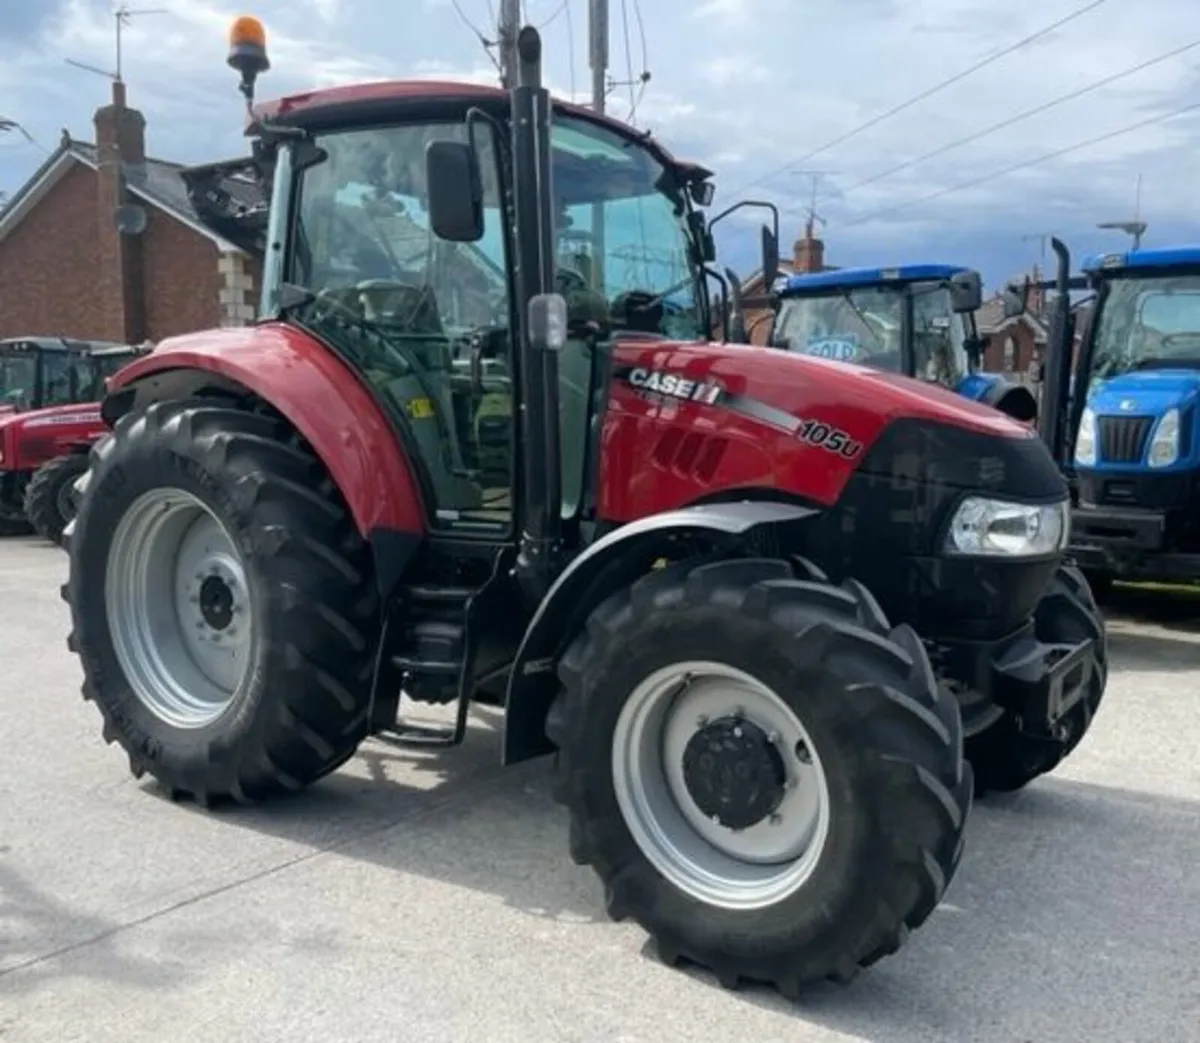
{"points": [[610, 563], [319, 395]]}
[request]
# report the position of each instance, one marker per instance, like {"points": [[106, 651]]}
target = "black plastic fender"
{"points": [[587, 581], [992, 389]]}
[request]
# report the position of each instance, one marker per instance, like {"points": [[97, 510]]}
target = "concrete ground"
{"points": [[431, 898]]}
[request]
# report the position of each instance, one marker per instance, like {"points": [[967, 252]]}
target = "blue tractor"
{"points": [[1129, 439], [915, 319]]}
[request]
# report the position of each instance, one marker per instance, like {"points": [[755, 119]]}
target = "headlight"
{"points": [[1085, 441], [1164, 446], [998, 528]]}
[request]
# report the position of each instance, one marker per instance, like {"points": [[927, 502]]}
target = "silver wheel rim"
{"points": [[747, 869], [178, 608]]}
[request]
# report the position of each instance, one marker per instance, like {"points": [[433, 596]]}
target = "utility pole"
{"points": [[510, 26], [598, 60], [598, 51]]}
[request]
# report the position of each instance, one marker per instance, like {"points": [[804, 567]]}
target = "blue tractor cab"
{"points": [[915, 319], [1132, 445]]}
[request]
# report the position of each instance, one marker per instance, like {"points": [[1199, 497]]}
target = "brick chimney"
{"points": [[808, 253], [120, 145]]}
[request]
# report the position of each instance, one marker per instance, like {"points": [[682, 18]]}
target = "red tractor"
{"points": [[756, 603], [50, 388]]}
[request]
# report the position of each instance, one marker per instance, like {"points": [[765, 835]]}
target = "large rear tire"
{"points": [[50, 495], [1006, 759], [223, 603], [704, 679]]}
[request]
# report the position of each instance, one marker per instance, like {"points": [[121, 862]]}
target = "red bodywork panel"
{"points": [[660, 452], [322, 398], [28, 440]]}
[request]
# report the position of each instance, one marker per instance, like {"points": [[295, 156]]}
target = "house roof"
{"points": [[991, 319], [156, 181]]}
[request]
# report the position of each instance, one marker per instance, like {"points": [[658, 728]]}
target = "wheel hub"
{"points": [[734, 772], [216, 602]]}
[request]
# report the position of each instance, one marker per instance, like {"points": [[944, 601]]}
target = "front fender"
{"points": [[587, 581], [319, 395]]}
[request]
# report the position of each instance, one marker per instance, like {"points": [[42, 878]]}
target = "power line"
{"points": [[928, 93], [1035, 111], [1025, 163], [645, 77], [628, 57], [486, 43]]}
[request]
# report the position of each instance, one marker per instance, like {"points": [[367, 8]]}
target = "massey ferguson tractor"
{"points": [[50, 388], [477, 449]]}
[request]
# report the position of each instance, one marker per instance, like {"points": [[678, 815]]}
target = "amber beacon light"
{"points": [[248, 51]]}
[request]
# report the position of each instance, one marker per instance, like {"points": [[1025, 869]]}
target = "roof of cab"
{"points": [[847, 278], [1135, 260]]}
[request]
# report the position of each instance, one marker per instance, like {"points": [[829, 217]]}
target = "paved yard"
{"points": [[426, 899]]}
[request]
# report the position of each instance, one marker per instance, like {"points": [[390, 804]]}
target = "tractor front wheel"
{"points": [[50, 495], [762, 772], [222, 601]]}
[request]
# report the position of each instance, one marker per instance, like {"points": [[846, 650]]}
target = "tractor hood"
{"points": [[50, 416], [1148, 392]]}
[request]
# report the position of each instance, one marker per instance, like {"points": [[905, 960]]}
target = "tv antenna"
{"points": [[812, 218], [1136, 228], [122, 17]]}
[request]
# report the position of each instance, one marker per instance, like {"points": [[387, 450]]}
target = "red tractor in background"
{"points": [[50, 388], [478, 449]]}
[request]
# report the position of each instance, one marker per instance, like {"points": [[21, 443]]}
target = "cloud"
{"points": [[749, 87]]}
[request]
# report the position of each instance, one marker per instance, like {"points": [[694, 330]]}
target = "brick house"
{"points": [[1012, 345], [67, 269]]}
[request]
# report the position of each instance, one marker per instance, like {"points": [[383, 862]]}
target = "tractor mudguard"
{"points": [[587, 581], [321, 397], [992, 389]]}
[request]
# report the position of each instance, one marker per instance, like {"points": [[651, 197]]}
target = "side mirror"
{"points": [[770, 258], [966, 292], [702, 192], [455, 191]]}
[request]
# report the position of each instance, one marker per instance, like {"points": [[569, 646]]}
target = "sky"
{"points": [[752, 88]]}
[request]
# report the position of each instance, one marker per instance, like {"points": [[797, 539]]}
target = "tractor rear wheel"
{"points": [[223, 603], [50, 495], [1006, 759], [764, 775]]}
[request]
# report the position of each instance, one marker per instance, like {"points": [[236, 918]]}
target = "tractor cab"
{"points": [[1133, 446], [914, 319], [41, 372]]}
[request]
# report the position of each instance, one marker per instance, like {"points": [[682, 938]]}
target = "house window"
{"points": [[1010, 355]]}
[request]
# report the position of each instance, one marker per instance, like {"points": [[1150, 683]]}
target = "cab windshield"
{"points": [[622, 244], [18, 380], [865, 325], [1148, 323]]}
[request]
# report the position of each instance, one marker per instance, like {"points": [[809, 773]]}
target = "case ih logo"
{"points": [[674, 386]]}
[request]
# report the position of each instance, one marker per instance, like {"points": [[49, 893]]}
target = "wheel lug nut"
{"points": [[773, 738], [701, 721], [775, 819]]}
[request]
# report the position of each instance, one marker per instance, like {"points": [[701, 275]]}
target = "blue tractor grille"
{"points": [[1123, 438]]}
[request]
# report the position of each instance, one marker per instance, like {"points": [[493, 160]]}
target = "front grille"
{"points": [[1123, 438]]}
